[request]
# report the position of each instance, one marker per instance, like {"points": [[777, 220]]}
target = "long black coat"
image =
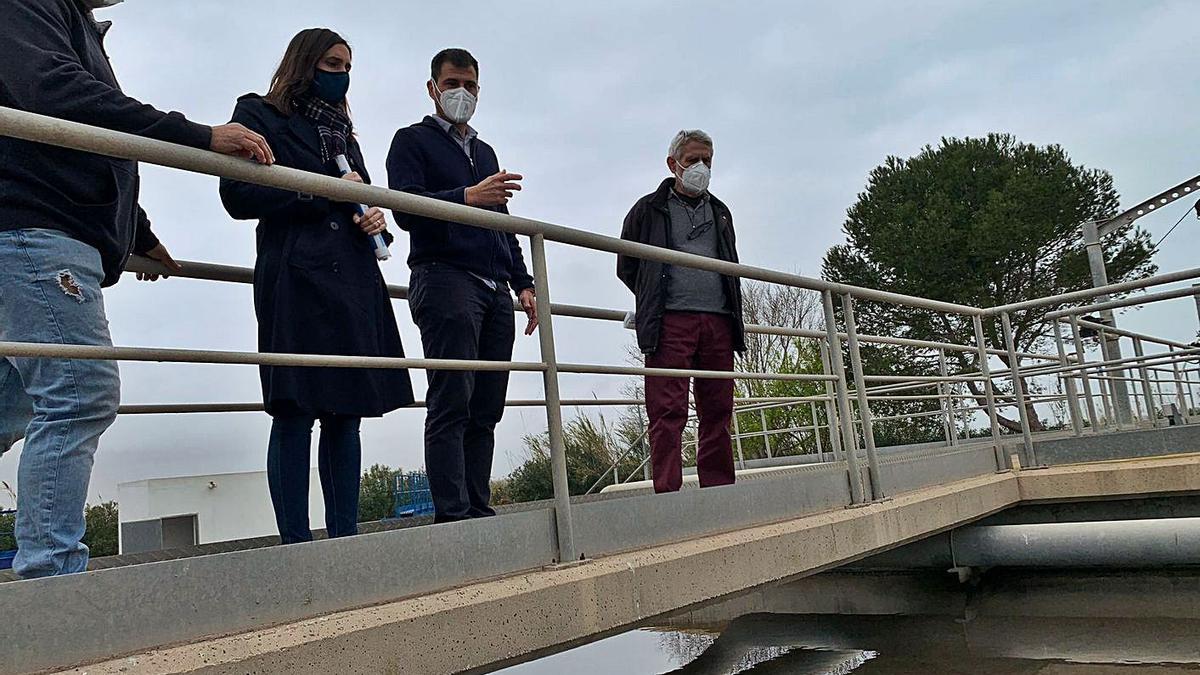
{"points": [[317, 285]]}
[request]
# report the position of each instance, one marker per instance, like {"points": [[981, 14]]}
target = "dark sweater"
{"points": [[424, 160], [54, 64]]}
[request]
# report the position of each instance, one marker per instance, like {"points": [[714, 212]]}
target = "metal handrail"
{"points": [[841, 420], [1088, 294], [42, 129], [245, 275], [1131, 301], [232, 407], [165, 355]]}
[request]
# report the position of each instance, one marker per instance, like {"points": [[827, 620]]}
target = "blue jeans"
{"points": [[50, 292], [339, 459]]}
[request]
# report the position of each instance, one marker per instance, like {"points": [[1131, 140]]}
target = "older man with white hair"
{"points": [[686, 317]]}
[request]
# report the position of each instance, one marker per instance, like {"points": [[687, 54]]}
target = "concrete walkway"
{"points": [[484, 625]]}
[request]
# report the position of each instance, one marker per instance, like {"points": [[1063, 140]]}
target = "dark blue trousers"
{"points": [[460, 317], [339, 461]]}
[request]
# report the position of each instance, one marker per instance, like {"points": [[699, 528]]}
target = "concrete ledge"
{"points": [[501, 621], [54, 621], [1102, 480]]}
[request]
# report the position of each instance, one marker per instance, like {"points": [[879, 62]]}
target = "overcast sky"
{"points": [[802, 98]]}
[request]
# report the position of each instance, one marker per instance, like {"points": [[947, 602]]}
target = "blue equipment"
{"points": [[411, 495], [6, 557]]}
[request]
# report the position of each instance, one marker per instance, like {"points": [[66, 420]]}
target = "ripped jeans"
{"points": [[50, 292]]}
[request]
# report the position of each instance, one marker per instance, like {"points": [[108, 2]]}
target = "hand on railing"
{"points": [[235, 139], [529, 304], [160, 254]]}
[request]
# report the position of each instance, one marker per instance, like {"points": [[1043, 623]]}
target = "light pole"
{"points": [[1093, 234]]}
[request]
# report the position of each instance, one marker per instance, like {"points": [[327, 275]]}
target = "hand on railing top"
{"points": [[160, 254], [235, 139]]}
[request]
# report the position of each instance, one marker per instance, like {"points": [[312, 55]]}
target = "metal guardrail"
{"points": [[840, 414]]}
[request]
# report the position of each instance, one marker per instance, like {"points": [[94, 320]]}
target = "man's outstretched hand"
{"points": [[495, 190]]}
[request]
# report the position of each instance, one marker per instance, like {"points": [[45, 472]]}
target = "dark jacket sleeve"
{"points": [[144, 239], [627, 266], [732, 238], [41, 73], [247, 201], [406, 172], [519, 273]]}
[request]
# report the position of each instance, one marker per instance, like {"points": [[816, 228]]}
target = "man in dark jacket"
{"points": [[69, 221], [686, 317], [459, 292]]}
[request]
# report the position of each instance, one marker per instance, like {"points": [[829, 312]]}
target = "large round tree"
{"points": [[984, 222]]}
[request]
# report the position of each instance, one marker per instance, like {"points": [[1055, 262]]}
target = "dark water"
{"points": [[1102, 623]]}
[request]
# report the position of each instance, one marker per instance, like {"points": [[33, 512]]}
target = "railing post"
{"points": [[864, 407], [831, 417], [1143, 375], [1014, 369], [850, 443], [646, 475], [989, 392], [1068, 380], [1115, 383], [1156, 381], [812, 406], [737, 438], [554, 420], [965, 432], [1104, 402], [1081, 357], [762, 416], [1187, 380], [948, 423], [1183, 404]]}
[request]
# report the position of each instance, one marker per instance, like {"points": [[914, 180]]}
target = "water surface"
{"points": [[1050, 623]]}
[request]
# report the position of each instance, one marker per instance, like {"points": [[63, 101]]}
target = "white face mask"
{"points": [[101, 4], [694, 178], [458, 105]]}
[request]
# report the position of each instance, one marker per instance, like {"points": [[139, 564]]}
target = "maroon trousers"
{"points": [[701, 342]]}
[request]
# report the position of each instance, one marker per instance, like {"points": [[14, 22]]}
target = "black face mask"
{"points": [[330, 87]]}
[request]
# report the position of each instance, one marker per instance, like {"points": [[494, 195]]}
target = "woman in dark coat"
{"points": [[317, 288]]}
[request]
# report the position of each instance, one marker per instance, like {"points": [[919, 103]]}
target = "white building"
{"points": [[170, 512]]}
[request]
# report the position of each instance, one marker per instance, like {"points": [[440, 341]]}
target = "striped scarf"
{"points": [[333, 125]]}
